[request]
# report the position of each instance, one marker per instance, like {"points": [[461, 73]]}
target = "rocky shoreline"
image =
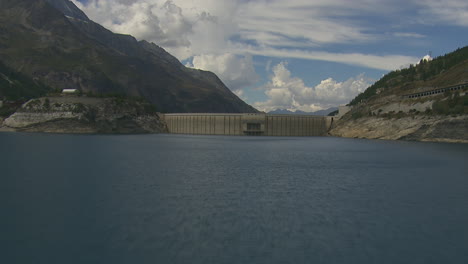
{"points": [[89, 115], [411, 128], [84, 115]]}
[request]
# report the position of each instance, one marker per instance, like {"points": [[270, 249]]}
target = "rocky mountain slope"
{"points": [[15, 86], [425, 102], [53, 42]]}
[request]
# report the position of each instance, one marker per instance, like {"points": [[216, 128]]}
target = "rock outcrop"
{"points": [[393, 118], [414, 128], [73, 114]]}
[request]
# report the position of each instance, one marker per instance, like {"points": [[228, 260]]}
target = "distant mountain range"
{"points": [[56, 45], [298, 112]]}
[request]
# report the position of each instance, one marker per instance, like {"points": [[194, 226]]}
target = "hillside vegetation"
{"points": [[442, 71], [383, 112]]}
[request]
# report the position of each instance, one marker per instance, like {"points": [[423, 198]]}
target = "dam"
{"points": [[258, 124]]}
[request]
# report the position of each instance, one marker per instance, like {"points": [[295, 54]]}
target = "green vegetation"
{"points": [[452, 106], [47, 104], [15, 86], [426, 73], [140, 103], [6, 111], [455, 105], [150, 108], [79, 108]]}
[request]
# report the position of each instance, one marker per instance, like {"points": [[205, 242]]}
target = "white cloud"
{"points": [[237, 72], [300, 21], [381, 62], [287, 92], [285, 29], [408, 35], [184, 28], [425, 58], [143, 19], [240, 93]]}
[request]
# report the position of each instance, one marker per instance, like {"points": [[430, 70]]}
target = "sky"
{"points": [[303, 55]]}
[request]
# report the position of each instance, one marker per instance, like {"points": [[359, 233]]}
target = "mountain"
{"points": [[15, 86], [299, 112], [55, 43], [426, 102], [15, 89]]}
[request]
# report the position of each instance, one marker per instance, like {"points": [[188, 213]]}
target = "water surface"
{"points": [[209, 199]]}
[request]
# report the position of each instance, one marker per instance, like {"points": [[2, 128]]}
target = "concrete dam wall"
{"points": [[247, 124]]}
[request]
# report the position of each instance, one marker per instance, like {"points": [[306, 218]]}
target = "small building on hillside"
{"points": [[69, 91]]}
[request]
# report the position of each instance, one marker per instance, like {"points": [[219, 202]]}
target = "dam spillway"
{"points": [[247, 124]]}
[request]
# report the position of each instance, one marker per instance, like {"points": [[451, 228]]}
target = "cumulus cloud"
{"points": [[237, 72], [285, 91], [183, 28], [145, 20]]}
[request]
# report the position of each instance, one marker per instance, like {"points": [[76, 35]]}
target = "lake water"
{"points": [[207, 199]]}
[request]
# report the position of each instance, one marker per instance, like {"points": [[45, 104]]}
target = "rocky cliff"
{"points": [[75, 114]]}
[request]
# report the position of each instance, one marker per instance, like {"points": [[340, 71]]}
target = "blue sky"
{"points": [[296, 54]]}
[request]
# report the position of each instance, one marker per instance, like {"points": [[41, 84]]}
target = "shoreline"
{"points": [[4, 129]]}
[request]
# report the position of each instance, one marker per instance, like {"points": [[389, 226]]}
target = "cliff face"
{"points": [[71, 114], [417, 128], [53, 42]]}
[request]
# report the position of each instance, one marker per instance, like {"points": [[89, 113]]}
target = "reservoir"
{"points": [[230, 199]]}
